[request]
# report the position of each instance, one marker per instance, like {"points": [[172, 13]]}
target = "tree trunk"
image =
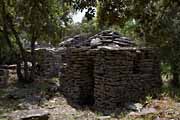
{"points": [[33, 57], [9, 43], [24, 58], [5, 24], [19, 69], [22, 52]]}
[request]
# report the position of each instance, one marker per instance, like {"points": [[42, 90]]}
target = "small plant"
{"points": [[99, 114], [149, 99]]}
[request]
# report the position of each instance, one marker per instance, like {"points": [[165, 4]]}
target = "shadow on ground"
{"points": [[17, 96]]}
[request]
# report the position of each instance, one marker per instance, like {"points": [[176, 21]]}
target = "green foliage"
{"points": [[148, 99], [30, 22], [34, 20], [6, 55], [166, 71], [112, 12], [164, 33], [80, 5], [88, 27], [44, 18], [173, 92]]}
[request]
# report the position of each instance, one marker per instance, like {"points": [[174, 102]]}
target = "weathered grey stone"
{"points": [[36, 114], [121, 43], [134, 106], [95, 42], [76, 41], [104, 118], [146, 111], [143, 112], [100, 39]]}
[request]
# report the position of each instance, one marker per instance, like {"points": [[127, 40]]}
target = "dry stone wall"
{"points": [[124, 75], [4, 75], [77, 76], [48, 62], [108, 77], [106, 70]]}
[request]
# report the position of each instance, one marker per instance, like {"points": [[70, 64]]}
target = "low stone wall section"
{"points": [[48, 62], [4, 75]]}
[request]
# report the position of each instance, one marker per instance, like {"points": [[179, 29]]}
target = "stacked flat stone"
{"points": [[111, 39], [104, 38], [124, 75], [48, 62], [109, 71], [76, 41], [4, 75], [77, 76]]}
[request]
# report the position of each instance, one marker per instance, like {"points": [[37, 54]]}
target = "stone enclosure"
{"points": [[106, 70], [109, 74]]}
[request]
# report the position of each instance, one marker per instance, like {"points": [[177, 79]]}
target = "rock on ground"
{"points": [[36, 114]]}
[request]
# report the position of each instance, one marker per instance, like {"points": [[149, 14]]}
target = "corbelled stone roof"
{"points": [[104, 38], [110, 38]]}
